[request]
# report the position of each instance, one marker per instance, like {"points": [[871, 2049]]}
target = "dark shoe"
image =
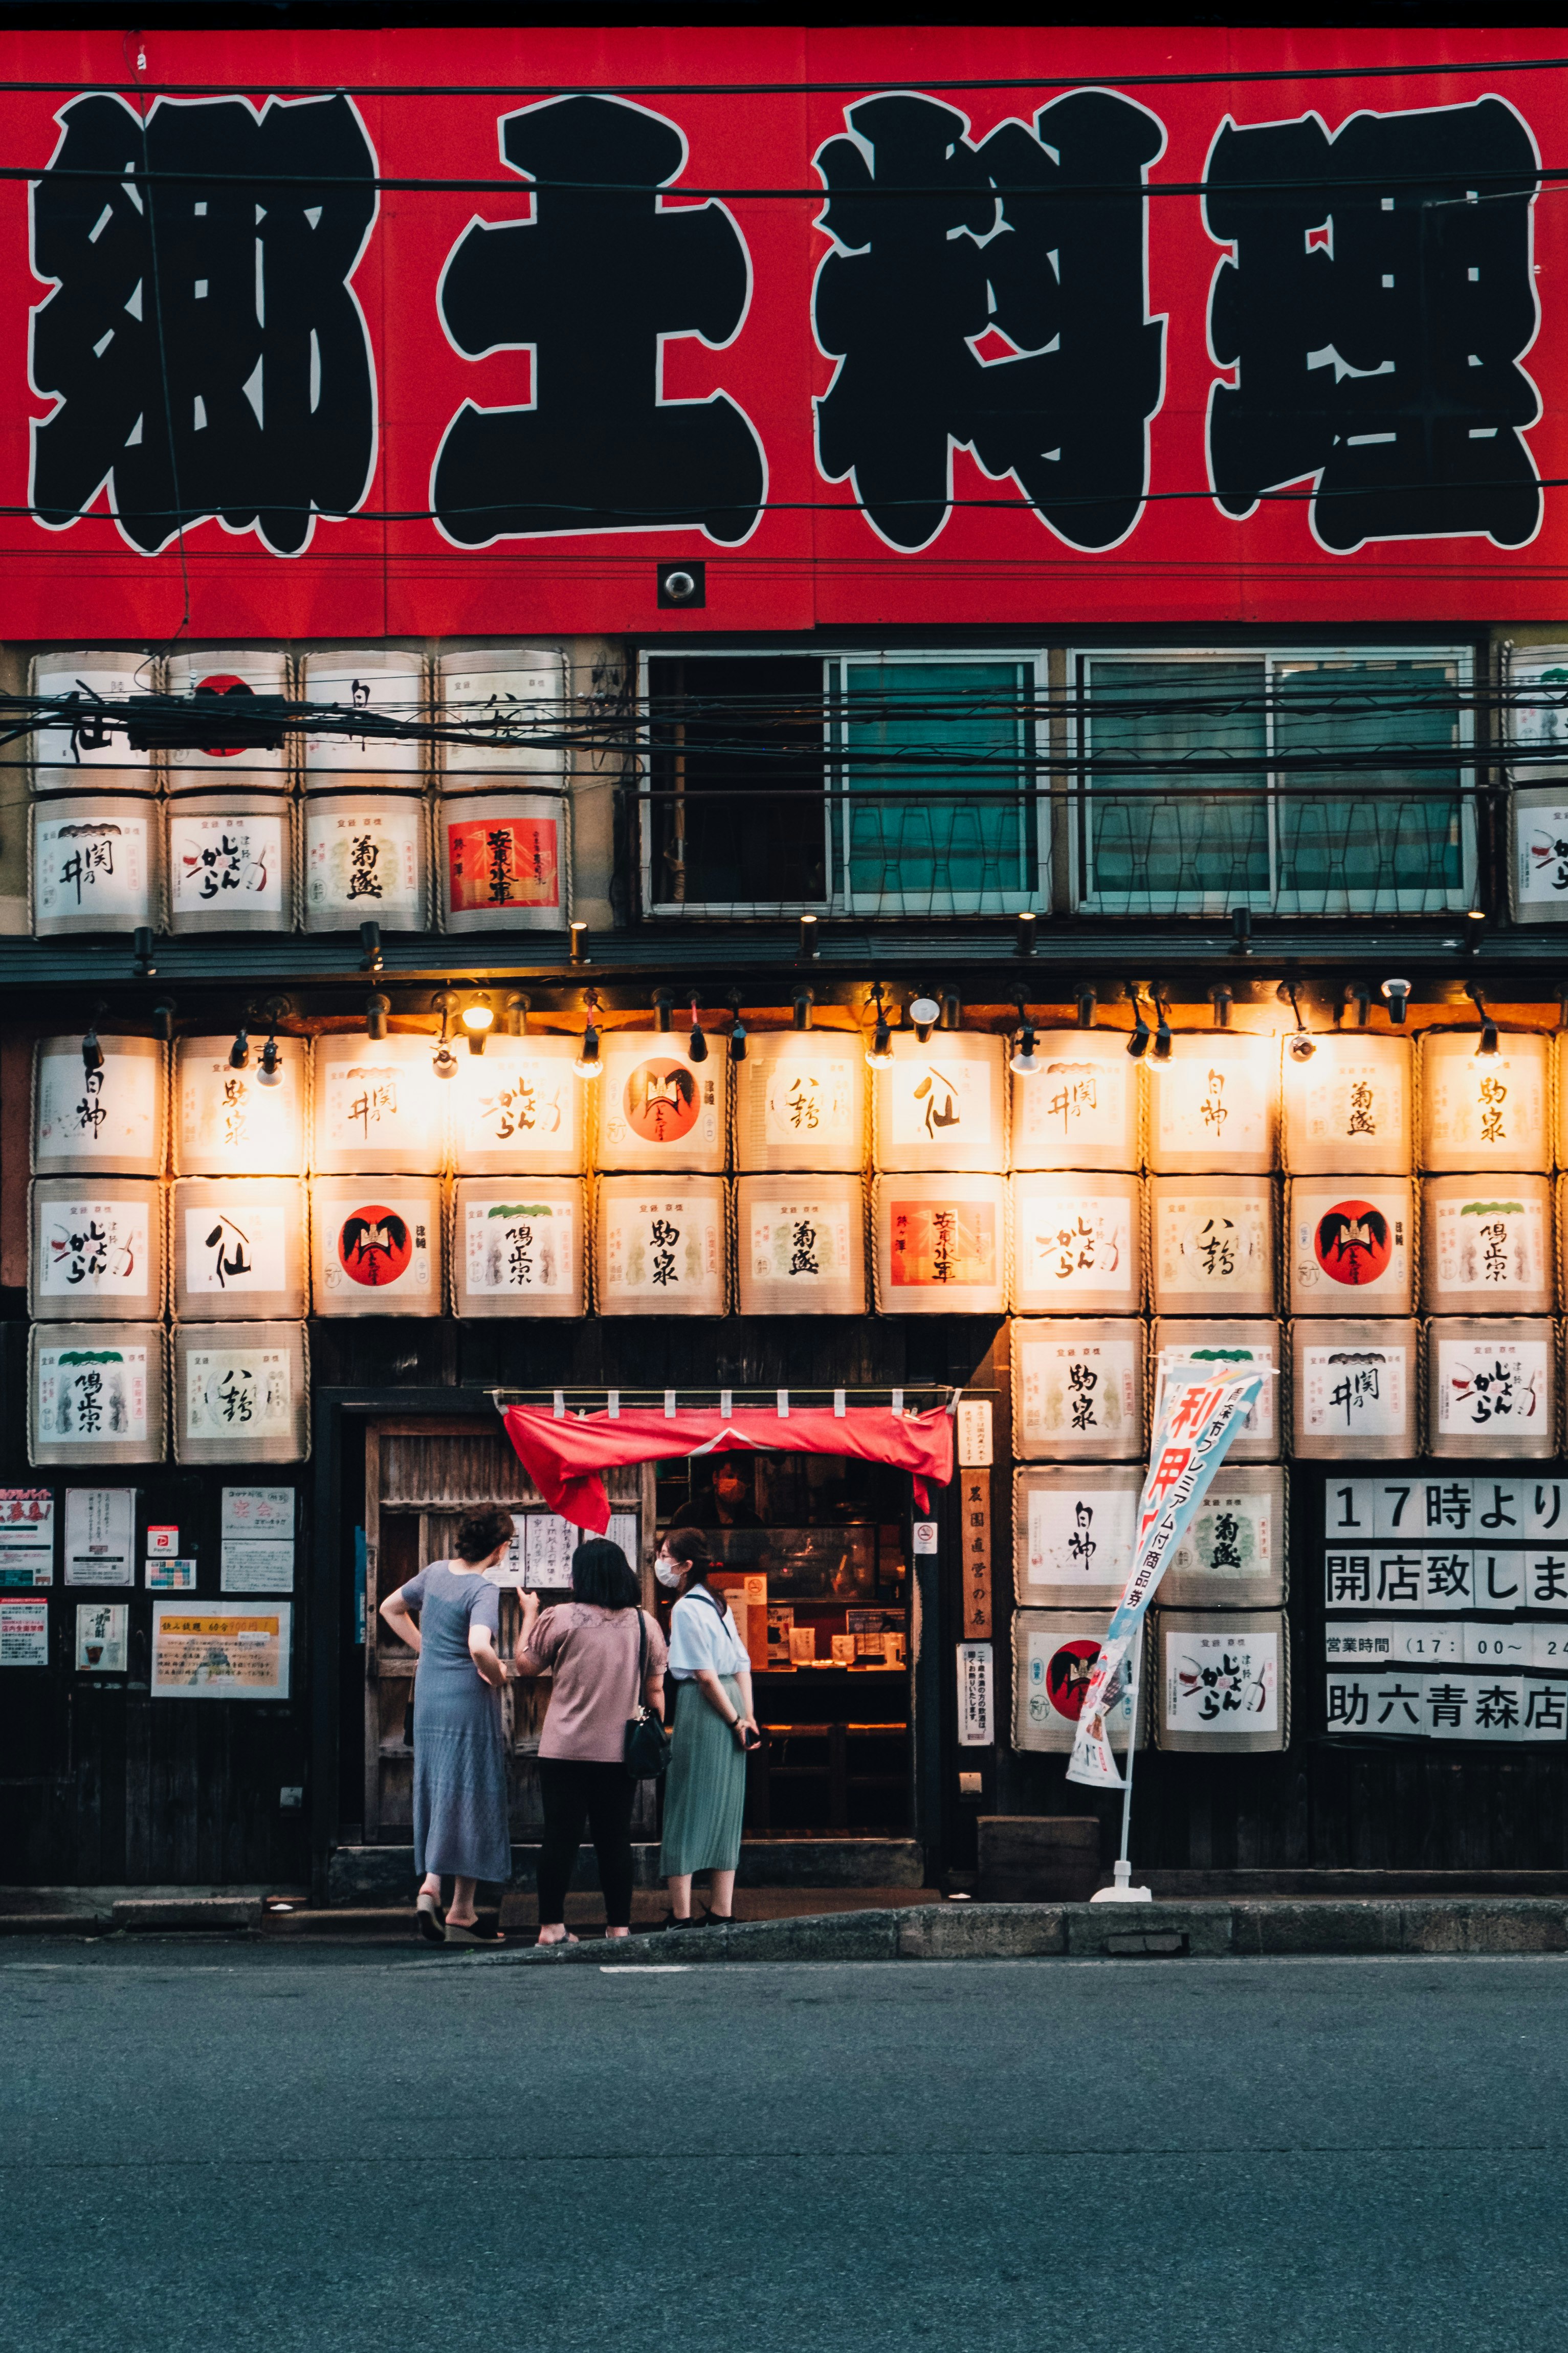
{"points": [[669, 1921], [481, 1933], [429, 1919], [717, 1919]]}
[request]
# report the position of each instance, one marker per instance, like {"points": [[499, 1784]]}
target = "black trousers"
{"points": [[601, 1794]]}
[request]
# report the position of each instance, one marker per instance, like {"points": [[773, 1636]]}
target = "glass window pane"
{"points": [[1177, 807], [1372, 815], [738, 810], [935, 782]]}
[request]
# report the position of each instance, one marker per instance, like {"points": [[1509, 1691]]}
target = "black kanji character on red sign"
{"points": [[1378, 299], [590, 284], [991, 297], [257, 402]]}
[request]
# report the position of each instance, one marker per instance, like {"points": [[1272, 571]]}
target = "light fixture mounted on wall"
{"points": [[239, 1052], [1396, 993], [91, 1052], [925, 1013], [479, 1020], [1221, 998], [1024, 1062], [587, 1064], [376, 1009], [271, 1073], [663, 1003], [1487, 1044], [879, 1052], [697, 1044], [1162, 1031], [516, 1010], [444, 1063], [805, 999], [1302, 1047], [1087, 998], [1138, 1044], [369, 942]]}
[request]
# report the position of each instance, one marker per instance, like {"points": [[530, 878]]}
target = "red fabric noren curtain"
{"points": [[564, 1458]]}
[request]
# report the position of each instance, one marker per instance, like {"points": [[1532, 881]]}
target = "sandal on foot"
{"points": [[429, 1919], [454, 1934], [547, 1941]]}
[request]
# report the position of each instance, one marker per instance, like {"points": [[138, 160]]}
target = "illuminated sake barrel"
{"points": [[655, 1108], [1078, 1389], [939, 1245], [367, 860], [1492, 1387], [524, 685], [1351, 1245], [58, 757], [1212, 1245], [95, 1249], [108, 1122], [240, 1248], [1080, 1109], [660, 1246], [230, 862], [502, 857], [1077, 1243], [518, 1108], [1222, 1343], [95, 863], [801, 1245], [1073, 1527], [943, 1105], [376, 1245], [242, 1393], [1354, 1390], [1224, 1682], [384, 681], [1054, 1655], [379, 1105], [1538, 836], [1212, 1105], [231, 679], [1487, 1248], [520, 1250], [800, 1101], [1233, 1555], [1485, 1110], [95, 1394], [1349, 1106], [227, 1124]]}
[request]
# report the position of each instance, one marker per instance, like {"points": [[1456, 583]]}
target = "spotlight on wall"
{"points": [[516, 1011], [239, 1052], [1138, 1044], [952, 1009], [1087, 998], [1026, 923], [1487, 1042], [925, 1013], [809, 930], [444, 1063], [697, 1044], [1163, 1033], [587, 1064], [663, 1000], [271, 1073], [805, 999], [579, 942], [1024, 1062], [163, 1019], [1222, 999], [479, 1020], [376, 1009], [879, 1052], [141, 951], [370, 941], [91, 1052], [738, 1039], [1397, 993], [1303, 1048], [1358, 994]]}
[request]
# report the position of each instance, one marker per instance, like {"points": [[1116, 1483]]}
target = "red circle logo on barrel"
{"points": [[1352, 1243], [374, 1245], [661, 1102], [223, 681], [1067, 1676]]}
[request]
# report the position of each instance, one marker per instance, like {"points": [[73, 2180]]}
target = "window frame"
{"points": [[1274, 660]]}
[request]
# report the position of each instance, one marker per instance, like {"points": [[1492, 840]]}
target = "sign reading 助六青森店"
{"points": [[877, 325]]}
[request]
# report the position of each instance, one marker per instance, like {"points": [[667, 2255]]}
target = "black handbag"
{"points": [[646, 1750]]}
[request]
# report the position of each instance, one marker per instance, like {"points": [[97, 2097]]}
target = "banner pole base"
{"points": [[1120, 1892]]}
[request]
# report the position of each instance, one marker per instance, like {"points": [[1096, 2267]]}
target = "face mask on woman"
{"points": [[668, 1572]]}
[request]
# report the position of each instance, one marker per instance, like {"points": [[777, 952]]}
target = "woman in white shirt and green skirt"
{"points": [[705, 1791]]}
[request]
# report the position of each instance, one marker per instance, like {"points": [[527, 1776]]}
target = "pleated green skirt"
{"points": [[705, 1790]]}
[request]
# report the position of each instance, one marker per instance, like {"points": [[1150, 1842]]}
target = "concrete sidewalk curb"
{"points": [[999, 1932]]}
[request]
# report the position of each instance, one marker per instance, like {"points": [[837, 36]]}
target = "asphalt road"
{"points": [[222, 2148]]}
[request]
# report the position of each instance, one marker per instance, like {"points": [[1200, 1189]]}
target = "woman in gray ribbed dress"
{"points": [[460, 1823]]}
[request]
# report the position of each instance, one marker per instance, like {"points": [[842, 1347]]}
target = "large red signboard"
{"points": [[415, 334]]}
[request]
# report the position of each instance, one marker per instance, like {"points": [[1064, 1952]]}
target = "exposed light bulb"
{"points": [[879, 1052], [270, 1074], [697, 1046], [587, 1064], [480, 1017], [444, 1063], [1025, 1061]]}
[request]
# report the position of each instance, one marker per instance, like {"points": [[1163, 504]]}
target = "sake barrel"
{"points": [[660, 1246], [1073, 1527], [379, 1105], [242, 1393], [1492, 1387], [502, 857], [1354, 1390], [227, 1124], [520, 1108], [1077, 1243], [1234, 1553], [519, 1249], [1224, 1682], [1485, 1110], [1078, 1389], [1055, 1652], [95, 1249], [1351, 1242], [230, 862], [802, 1245], [1223, 1343], [95, 863], [800, 1101], [366, 859], [1081, 1108], [1349, 1107], [386, 682], [241, 1248], [231, 679], [376, 1245], [943, 1105], [939, 1245], [1212, 1245], [655, 1108], [88, 677], [1212, 1105], [1487, 1248], [109, 1121], [95, 1394], [522, 687]]}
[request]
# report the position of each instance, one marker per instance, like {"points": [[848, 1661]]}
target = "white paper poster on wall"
{"points": [[26, 1537], [200, 1651], [101, 1637], [100, 1534], [257, 1511], [24, 1633], [256, 1564], [976, 1701]]}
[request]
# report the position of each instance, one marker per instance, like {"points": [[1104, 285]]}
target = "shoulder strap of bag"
{"points": [[642, 1661]]}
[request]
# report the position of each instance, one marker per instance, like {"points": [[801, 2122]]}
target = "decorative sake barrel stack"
{"points": [[377, 1197], [366, 814], [502, 851], [661, 1210], [520, 1234], [96, 858], [230, 853], [800, 1149], [939, 1213]]}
